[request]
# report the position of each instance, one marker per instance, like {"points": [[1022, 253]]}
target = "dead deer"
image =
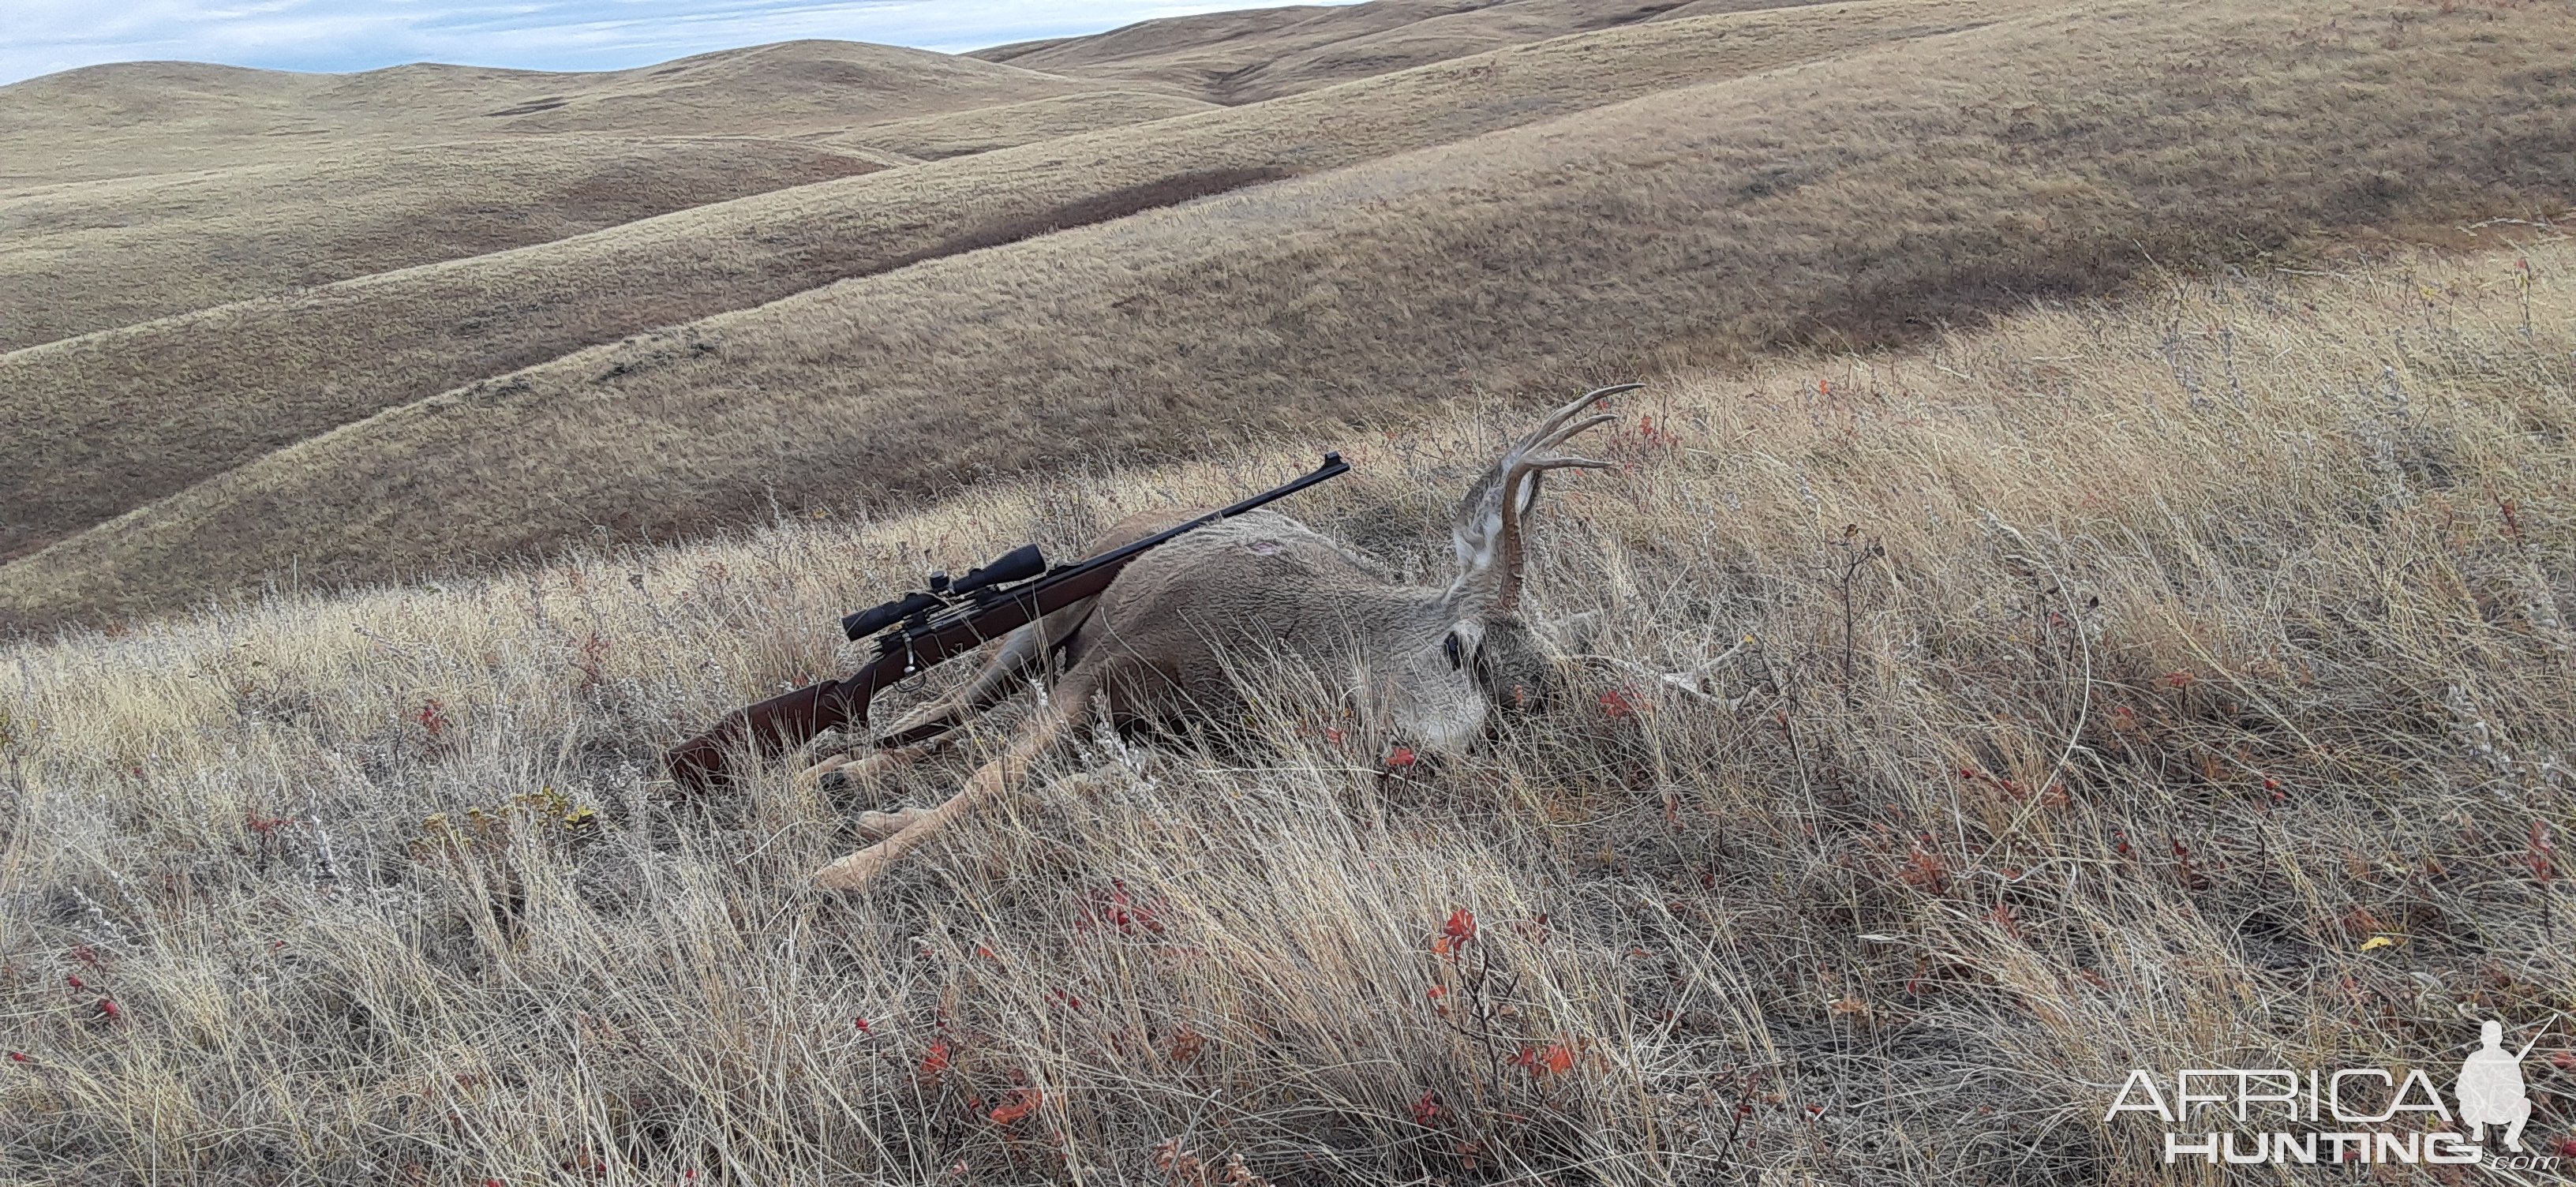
{"points": [[1424, 664]]}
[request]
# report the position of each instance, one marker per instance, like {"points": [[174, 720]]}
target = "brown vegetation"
{"points": [[2177, 683], [135, 118], [85, 256], [1010, 125], [1247, 55], [1862, 198], [94, 426]]}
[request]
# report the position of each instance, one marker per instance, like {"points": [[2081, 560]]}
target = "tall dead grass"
{"points": [[2185, 682]]}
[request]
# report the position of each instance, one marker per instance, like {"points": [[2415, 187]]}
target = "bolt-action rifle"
{"points": [[918, 630]]}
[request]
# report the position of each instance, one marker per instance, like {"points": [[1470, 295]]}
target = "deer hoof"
{"points": [[855, 871], [877, 826]]}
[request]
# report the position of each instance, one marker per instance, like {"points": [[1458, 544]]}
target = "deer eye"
{"points": [[1456, 653]]}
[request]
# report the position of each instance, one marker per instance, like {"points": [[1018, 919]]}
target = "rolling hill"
{"points": [[1091, 269], [169, 187], [1253, 54], [2194, 696], [135, 118], [93, 426], [1858, 198], [2086, 585], [1010, 125], [148, 247]]}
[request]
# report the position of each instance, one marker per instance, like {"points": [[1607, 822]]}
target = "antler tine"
{"points": [[1510, 490], [1488, 526], [1547, 429], [1594, 421]]}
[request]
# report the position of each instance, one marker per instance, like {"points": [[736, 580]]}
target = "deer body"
{"points": [[1419, 664]]}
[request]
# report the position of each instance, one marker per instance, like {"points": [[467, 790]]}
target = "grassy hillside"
{"points": [[87, 256], [1863, 198], [1010, 125], [1248, 55], [94, 426], [135, 118], [2137, 685]]}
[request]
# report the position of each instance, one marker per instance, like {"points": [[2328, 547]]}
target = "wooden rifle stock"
{"points": [[784, 722]]}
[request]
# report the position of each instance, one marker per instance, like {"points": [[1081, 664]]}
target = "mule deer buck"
{"points": [[1424, 664]]}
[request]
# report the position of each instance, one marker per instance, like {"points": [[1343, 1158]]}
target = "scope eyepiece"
{"points": [[868, 622]]}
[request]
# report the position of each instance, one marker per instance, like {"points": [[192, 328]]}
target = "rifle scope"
{"points": [[1018, 564]]}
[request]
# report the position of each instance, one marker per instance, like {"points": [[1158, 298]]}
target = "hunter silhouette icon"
{"points": [[2490, 1088]]}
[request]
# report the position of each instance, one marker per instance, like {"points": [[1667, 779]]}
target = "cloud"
{"points": [[43, 36]]}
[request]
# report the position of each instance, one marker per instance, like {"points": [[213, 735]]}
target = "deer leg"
{"points": [[856, 766], [877, 826], [858, 869], [1022, 654]]}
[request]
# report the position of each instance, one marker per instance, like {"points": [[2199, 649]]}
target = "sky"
{"points": [[43, 36]]}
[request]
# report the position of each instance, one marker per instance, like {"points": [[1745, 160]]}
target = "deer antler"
{"points": [[1488, 524]]}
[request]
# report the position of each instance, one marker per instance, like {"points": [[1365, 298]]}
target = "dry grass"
{"points": [[94, 426], [1247, 55], [1010, 125], [148, 247], [2191, 643], [135, 118], [1862, 198]]}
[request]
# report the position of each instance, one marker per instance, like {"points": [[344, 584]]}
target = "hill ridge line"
{"points": [[1295, 126]]}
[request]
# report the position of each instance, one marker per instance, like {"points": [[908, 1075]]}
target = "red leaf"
{"points": [[1461, 927], [937, 1061], [1023, 1101]]}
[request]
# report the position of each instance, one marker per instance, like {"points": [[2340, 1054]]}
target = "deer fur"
{"points": [[1424, 665]]}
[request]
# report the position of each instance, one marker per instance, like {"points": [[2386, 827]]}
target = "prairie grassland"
{"points": [[1863, 198], [94, 426], [2180, 683], [128, 119], [1248, 55], [1010, 125], [92, 255]]}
